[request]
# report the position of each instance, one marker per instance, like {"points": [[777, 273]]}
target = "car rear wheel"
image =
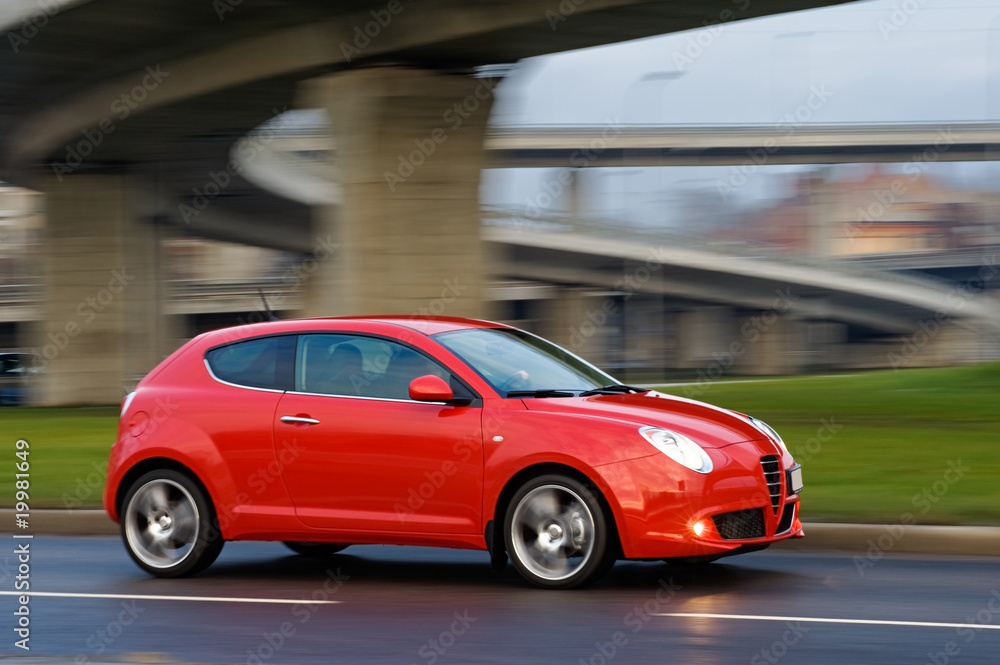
{"points": [[316, 550], [556, 533], [169, 526]]}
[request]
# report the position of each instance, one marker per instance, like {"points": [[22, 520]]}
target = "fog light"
{"points": [[699, 528]]}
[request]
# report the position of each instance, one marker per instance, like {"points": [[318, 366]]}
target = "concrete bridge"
{"points": [[122, 112]]}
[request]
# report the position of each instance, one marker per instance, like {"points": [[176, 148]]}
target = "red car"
{"points": [[323, 433]]}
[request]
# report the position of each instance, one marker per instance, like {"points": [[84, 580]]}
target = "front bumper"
{"points": [[666, 511]]}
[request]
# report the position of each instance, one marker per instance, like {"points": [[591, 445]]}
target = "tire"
{"points": [[557, 534], [169, 526], [315, 550]]}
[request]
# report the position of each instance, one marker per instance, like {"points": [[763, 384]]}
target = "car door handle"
{"points": [[293, 420]]}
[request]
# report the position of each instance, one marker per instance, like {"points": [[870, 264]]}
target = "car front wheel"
{"points": [[556, 533], [168, 525]]}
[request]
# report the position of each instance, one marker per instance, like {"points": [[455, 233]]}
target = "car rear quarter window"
{"points": [[256, 363]]}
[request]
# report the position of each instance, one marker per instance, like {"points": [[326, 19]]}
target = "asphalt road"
{"points": [[415, 605]]}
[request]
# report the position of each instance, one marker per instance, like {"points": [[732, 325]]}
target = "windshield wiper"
{"points": [[613, 389], [546, 392]]}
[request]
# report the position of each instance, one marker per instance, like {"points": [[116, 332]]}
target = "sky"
{"points": [[875, 62], [893, 61]]}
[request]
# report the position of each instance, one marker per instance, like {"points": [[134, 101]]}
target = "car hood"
{"points": [[708, 425]]}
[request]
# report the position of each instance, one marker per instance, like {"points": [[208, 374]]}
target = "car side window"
{"points": [[356, 366], [257, 363]]}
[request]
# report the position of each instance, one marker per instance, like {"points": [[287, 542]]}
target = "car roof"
{"points": [[427, 325]]}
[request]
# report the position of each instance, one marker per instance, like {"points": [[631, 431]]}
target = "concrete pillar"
{"points": [[102, 325], [409, 152], [576, 321], [705, 338], [646, 341], [826, 341], [774, 345]]}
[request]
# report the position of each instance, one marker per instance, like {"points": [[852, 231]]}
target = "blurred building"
{"points": [[22, 224], [873, 211]]}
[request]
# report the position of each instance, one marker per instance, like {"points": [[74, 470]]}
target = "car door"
{"points": [[365, 456]]}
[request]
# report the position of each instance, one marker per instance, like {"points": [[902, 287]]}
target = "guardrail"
{"points": [[276, 290]]}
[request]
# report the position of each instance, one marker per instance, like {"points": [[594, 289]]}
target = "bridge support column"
{"points": [[776, 345], [576, 321], [705, 338], [410, 150], [102, 326]]}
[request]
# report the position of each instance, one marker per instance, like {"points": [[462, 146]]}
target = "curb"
{"points": [[61, 523], [878, 539], [874, 539]]}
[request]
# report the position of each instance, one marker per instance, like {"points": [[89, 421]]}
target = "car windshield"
{"points": [[516, 363]]}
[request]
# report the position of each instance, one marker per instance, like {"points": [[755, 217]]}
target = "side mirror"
{"points": [[430, 388]]}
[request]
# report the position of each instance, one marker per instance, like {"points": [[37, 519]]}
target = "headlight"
{"points": [[678, 448], [768, 430]]}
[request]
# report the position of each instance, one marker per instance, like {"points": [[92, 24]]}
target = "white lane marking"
{"points": [[201, 599], [868, 622]]}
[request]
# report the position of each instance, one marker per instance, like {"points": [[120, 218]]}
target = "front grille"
{"points": [[772, 474], [740, 524], [786, 518]]}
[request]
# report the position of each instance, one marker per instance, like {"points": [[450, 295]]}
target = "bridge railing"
{"points": [[246, 292]]}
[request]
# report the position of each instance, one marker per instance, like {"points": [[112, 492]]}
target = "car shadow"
{"points": [[376, 567]]}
